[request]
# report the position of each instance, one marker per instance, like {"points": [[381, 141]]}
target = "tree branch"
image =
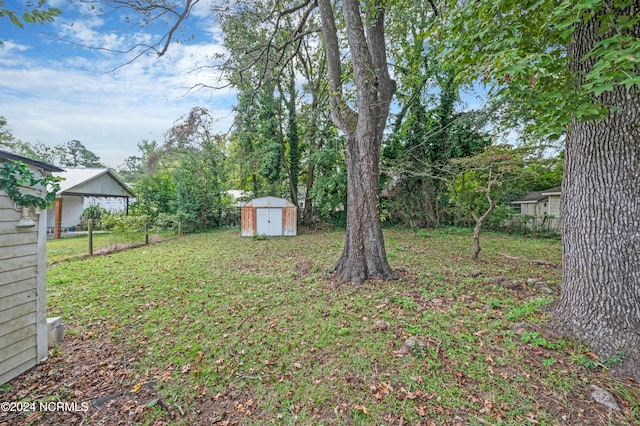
{"points": [[344, 117]]}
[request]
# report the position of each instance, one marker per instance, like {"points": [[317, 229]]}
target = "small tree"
{"points": [[474, 182]]}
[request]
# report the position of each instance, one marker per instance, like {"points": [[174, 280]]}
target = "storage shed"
{"points": [[269, 216], [23, 313]]}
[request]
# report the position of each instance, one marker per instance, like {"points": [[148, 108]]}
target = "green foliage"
{"points": [[428, 131], [258, 149], [6, 137], [125, 224], [535, 339], [526, 311], [592, 362], [329, 192], [154, 195], [199, 180], [36, 14], [75, 154], [95, 212], [165, 222], [15, 175], [71, 154], [522, 55], [293, 139]]}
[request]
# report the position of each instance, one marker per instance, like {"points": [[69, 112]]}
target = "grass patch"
{"points": [[248, 330]]}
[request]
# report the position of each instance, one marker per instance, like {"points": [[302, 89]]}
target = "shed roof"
{"points": [[557, 190], [45, 166], [537, 196], [532, 197], [269, 202], [93, 183]]}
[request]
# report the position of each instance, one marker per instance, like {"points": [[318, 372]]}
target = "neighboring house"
{"points": [[82, 188], [23, 312], [539, 210]]}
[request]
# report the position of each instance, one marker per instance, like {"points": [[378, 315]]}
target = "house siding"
{"points": [[23, 327], [539, 210], [553, 212]]}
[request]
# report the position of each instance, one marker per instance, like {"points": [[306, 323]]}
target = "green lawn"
{"points": [[250, 331], [75, 247]]}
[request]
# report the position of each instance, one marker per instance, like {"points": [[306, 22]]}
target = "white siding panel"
{"points": [[16, 317], [16, 299], [17, 239], [17, 275], [17, 323], [8, 226], [22, 290], [6, 202], [17, 364], [100, 185], [16, 287], [15, 251], [22, 340], [9, 213], [18, 263]]}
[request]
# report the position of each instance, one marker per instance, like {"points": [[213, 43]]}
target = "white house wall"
{"points": [[23, 328], [110, 204], [553, 211], [72, 208]]}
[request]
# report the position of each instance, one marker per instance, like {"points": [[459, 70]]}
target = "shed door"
{"points": [[269, 221]]}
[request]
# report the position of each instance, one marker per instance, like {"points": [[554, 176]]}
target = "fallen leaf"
{"points": [[361, 408], [421, 410], [137, 387]]}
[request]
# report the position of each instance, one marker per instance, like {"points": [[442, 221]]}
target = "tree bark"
{"points": [[364, 254], [475, 251], [600, 223], [307, 215]]}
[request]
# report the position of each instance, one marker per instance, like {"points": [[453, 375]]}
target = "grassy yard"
{"points": [[73, 247], [231, 330]]}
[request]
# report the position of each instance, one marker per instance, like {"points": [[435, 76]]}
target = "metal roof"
{"points": [[78, 182], [553, 191], [536, 196], [45, 166], [269, 202]]}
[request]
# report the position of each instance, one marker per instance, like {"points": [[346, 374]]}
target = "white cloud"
{"points": [[63, 93]]}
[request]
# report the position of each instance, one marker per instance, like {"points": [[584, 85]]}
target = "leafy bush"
{"points": [[165, 222], [121, 223], [95, 212]]}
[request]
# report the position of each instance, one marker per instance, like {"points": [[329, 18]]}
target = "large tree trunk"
{"points": [[364, 253], [600, 214]]}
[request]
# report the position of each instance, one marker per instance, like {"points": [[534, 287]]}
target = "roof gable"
{"points": [[92, 182], [269, 202]]}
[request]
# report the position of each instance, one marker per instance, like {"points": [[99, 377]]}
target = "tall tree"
{"points": [[577, 65], [75, 154], [6, 137], [364, 255]]}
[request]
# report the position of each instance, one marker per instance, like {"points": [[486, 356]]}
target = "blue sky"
{"points": [[53, 90]]}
